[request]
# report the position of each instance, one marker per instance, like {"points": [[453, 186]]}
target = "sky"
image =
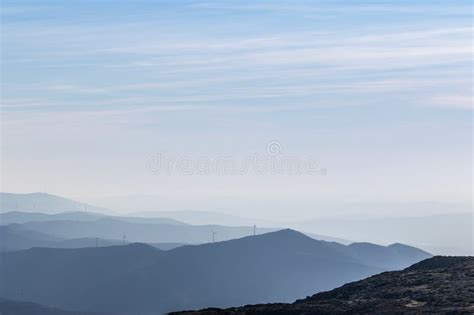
{"points": [[97, 96]]}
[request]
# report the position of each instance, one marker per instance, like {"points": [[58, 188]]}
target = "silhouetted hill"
{"points": [[92, 242], [388, 257], [434, 233], [136, 278], [14, 237], [215, 218], [438, 285]]}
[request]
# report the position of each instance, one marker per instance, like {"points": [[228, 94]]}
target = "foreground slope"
{"points": [[136, 278], [438, 285]]}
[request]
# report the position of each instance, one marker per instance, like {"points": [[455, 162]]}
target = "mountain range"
{"points": [[140, 279], [116, 229], [17, 237], [24, 217], [43, 202], [65, 219], [434, 233]]}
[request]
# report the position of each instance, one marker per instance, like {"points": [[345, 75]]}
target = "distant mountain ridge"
{"points": [[136, 278], [17, 237], [25, 217], [43, 202], [29, 208], [433, 232], [14, 237], [111, 228], [391, 256], [438, 285], [85, 225]]}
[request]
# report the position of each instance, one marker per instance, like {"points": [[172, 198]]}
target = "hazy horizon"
{"points": [[97, 93], [270, 210], [432, 233]]}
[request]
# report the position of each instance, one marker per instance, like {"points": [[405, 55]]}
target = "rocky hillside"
{"points": [[435, 285]]}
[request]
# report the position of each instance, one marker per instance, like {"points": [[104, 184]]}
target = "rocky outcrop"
{"points": [[435, 285]]}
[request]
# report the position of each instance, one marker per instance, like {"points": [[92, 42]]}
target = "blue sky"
{"points": [[380, 92]]}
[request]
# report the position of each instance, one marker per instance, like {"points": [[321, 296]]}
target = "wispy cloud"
{"points": [[386, 82], [281, 65], [452, 101], [328, 7]]}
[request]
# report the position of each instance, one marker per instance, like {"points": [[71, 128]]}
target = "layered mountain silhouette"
{"points": [[112, 228], [137, 278], [81, 216], [70, 219], [439, 285], [23, 230], [14, 237], [17, 237], [42, 202], [431, 232]]}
